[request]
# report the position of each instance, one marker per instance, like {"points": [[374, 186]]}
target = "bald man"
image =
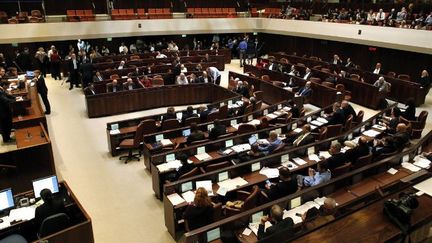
{"points": [[362, 149], [278, 223]]}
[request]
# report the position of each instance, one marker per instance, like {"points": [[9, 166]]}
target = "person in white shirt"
{"points": [[308, 74], [132, 48], [377, 68], [160, 55], [105, 51], [370, 16], [336, 60], [181, 79], [175, 47], [121, 66], [380, 16], [183, 69], [428, 20], [214, 74], [50, 52], [123, 49], [401, 16], [81, 45]]}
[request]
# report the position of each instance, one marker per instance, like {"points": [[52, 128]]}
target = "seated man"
{"points": [[337, 116], [382, 85], [287, 185], [362, 149], [90, 90], [241, 89], [392, 121], [390, 144], [217, 130], [321, 175], [295, 111], [205, 112], [278, 224], [188, 114], [170, 114], [113, 87], [348, 110], [305, 137], [182, 79], [129, 85], [337, 157], [273, 143], [49, 207], [314, 217], [195, 134], [306, 91], [121, 66], [98, 77]]}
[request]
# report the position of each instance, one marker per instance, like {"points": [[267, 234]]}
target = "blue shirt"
{"points": [[317, 179], [243, 45], [268, 148]]}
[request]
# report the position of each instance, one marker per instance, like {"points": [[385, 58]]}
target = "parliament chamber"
{"points": [[218, 121]]}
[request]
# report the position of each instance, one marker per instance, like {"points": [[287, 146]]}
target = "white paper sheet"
{"points": [[188, 196], [203, 157], [411, 167], [392, 171], [314, 157], [269, 172], [299, 161], [175, 199], [324, 154], [166, 142]]}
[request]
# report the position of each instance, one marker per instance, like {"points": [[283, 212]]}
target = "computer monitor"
{"points": [[223, 176], [186, 186], [195, 111], [159, 137], [6, 199], [256, 217], [179, 115], [233, 122], [250, 117], [186, 132], [279, 106], [295, 202], [30, 74], [213, 234], [49, 182], [229, 143], [230, 102], [201, 150], [252, 139], [170, 157], [278, 131], [265, 112], [210, 127], [114, 126], [255, 166], [284, 158]]}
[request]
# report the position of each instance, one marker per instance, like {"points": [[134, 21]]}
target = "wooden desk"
{"points": [[141, 99], [34, 113]]}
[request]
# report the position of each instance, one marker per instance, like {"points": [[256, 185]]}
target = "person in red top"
{"points": [[146, 82], [55, 61], [260, 64]]}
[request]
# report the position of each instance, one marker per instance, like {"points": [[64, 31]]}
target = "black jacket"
{"points": [[198, 216], [169, 116], [338, 117], [349, 111], [336, 160], [41, 86], [216, 131], [5, 101], [195, 136], [285, 224], [48, 209], [282, 189], [352, 155]]}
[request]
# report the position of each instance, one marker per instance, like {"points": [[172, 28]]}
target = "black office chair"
{"points": [[53, 224], [15, 238]]}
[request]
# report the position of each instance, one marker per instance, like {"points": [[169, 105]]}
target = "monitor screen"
{"points": [[255, 166], [223, 176], [229, 102], [114, 126], [252, 140], [265, 112], [179, 115], [229, 143], [210, 127], [284, 158], [201, 150], [45, 183], [30, 74], [195, 111], [186, 132], [233, 122], [250, 117], [256, 217], [278, 131], [213, 234], [186, 186], [159, 137], [296, 202], [6, 199], [170, 157]]}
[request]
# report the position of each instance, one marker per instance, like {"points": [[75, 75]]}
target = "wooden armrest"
{"points": [[242, 195]]}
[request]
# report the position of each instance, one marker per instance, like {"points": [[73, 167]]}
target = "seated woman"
{"points": [[195, 134], [200, 212]]}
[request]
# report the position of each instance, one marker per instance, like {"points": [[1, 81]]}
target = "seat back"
{"points": [[139, 134], [217, 166], [53, 223], [328, 84], [199, 141], [355, 77], [404, 77], [195, 171], [265, 78], [191, 120], [157, 82], [258, 105], [149, 126], [213, 116], [251, 201], [348, 123], [362, 161], [170, 124], [134, 57], [245, 128], [334, 130], [258, 95], [341, 170], [248, 109], [223, 112], [36, 13], [360, 116]]}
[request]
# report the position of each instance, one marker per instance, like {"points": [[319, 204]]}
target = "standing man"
{"points": [[86, 69], [73, 71], [242, 50], [214, 74], [5, 114], [42, 90]]}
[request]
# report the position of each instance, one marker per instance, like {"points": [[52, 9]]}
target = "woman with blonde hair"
{"points": [[200, 212]]}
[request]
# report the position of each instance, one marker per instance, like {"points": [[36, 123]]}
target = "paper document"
{"points": [[322, 120], [324, 154], [25, 213], [381, 128], [299, 161], [206, 185], [290, 165], [114, 132], [188, 196], [174, 164], [316, 123], [421, 162], [236, 126], [203, 157], [297, 130], [371, 133], [175, 199], [255, 122], [314, 157], [320, 200], [425, 186], [269, 172], [410, 167], [392, 171], [271, 116], [166, 142], [163, 167], [5, 223], [227, 151], [263, 141], [247, 231]]}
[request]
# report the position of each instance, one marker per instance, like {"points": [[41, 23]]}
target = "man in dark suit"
{"points": [[188, 114], [195, 135], [286, 186], [337, 157], [295, 111], [378, 69], [89, 90], [348, 110], [74, 72], [337, 117], [204, 113], [98, 77], [362, 149], [217, 130], [336, 60], [129, 84], [278, 223], [305, 137], [273, 66], [5, 114], [305, 91], [170, 114], [42, 90], [113, 87], [49, 207], [349, 63], [86, 69]]}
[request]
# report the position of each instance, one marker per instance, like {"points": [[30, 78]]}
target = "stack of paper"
{"points": [[324, 154], [322, 120], [189, 196], [175, 199], [241, 147], [269, 172], [163, 167], [392, 171], [320, 200], [286, 108], [255, 122], [206, 185], [227, 151], [410, 167], [299, 161], [263, 141], [114, 132], [422, 162], [166, 142], [203, 157], [317, 123], [271, 116], [297, 130], [25, 213], [174, 164], [378, 127], [371, 133], [277, 113], [314, 157], [238, 181]]}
